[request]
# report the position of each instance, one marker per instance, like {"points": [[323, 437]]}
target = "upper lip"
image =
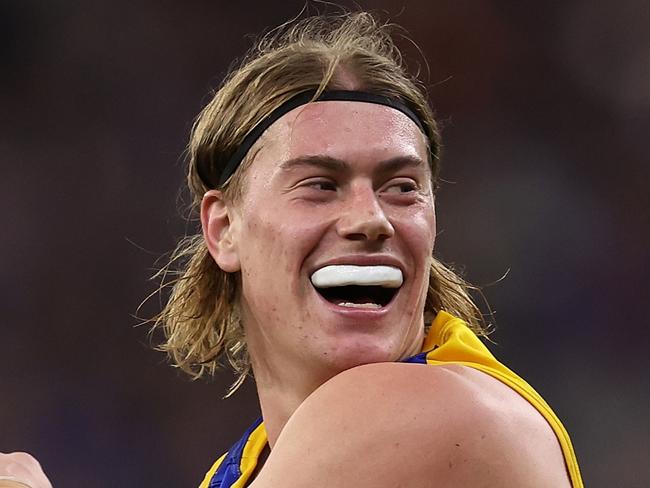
{"points": [[363, 260]]}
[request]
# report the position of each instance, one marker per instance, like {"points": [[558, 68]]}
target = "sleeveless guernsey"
{"points": [[449, 341]]}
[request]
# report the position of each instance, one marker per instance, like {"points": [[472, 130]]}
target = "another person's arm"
{"points": [[387, 425], [20, 470]]}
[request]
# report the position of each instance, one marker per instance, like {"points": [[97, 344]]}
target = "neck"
{"points": [[280, 396]]}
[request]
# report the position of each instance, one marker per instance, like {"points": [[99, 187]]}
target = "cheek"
{"points": [[275, 243], [432, 224], [261, 244], [420, 232], [429, 222]]}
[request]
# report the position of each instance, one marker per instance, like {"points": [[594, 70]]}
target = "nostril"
{"points": [[356, 237], [368, 235], [373, 228]]}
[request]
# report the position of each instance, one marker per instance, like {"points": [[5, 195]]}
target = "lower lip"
{"points": [[356, 312]]}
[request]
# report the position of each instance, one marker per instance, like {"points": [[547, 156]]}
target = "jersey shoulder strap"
{"points": [[450, 340], [233, 469]]}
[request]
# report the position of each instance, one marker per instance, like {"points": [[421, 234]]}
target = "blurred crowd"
{"points": [[545, 109]]}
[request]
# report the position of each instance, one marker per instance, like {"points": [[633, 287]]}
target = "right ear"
{"points": [[220, 231]]}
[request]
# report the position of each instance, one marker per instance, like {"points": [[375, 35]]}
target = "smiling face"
{"points": [[333, 183]]}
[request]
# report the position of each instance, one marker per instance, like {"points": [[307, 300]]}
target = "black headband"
{"points": [[302, 99]]}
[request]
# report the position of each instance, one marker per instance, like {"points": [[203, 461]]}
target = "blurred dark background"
{"points": [[546, 109]]}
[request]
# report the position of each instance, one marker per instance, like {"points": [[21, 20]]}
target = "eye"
{"points": [[401, 187], [321, 184]]}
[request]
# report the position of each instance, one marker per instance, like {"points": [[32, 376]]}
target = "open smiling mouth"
{"points": [[352, 286]]}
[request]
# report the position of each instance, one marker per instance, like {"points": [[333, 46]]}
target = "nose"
{"points": [[363, 218]]}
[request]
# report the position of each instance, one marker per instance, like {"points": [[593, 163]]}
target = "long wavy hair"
{"points": [[200, 319]]}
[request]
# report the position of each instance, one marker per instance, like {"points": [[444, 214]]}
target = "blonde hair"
{"points": [[200, 319]]}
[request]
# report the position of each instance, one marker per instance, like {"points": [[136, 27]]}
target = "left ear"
{"points": [[218, 221]]}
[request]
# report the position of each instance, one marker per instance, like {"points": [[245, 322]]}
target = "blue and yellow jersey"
{"points": [[449, 341]]}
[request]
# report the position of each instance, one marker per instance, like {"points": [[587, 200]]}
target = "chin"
{"points": [[351, 352]]}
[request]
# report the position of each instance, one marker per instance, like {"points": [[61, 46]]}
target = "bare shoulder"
{"points": [[400, 424]]}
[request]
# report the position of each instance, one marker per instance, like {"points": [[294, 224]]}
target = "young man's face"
{"points": [[336, 184]]}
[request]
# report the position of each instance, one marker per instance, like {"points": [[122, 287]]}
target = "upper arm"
{"points": [[388, 425]]}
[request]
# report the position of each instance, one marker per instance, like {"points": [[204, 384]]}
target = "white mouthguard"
{"points": [[344, 275]]}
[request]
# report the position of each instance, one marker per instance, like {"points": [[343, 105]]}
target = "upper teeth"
{"points": [[344, 275]]}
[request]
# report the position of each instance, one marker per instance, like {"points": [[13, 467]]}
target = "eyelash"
{"points": [[411, 186], [321, 183], [329, 185]]}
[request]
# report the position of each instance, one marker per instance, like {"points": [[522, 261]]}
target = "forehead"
{"points": [[346, 130]]}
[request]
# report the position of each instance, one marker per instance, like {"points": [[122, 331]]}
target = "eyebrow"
{"points": [[338, 165]]}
